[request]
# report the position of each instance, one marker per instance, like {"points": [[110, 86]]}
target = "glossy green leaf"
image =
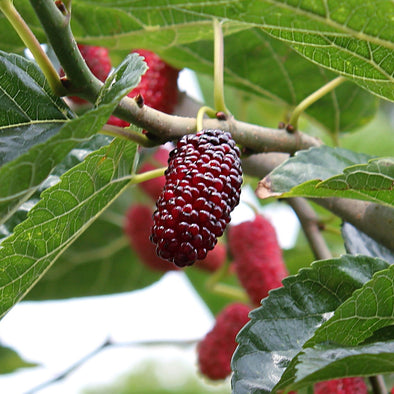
{"points": [[289, 317], [369, 309], [300, 174], [10, 360], [314, 173]]}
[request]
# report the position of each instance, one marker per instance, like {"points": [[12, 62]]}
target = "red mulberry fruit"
{"points": [[158, 86], [203, 185], [257, 256], [342, 386], [216, 349]]}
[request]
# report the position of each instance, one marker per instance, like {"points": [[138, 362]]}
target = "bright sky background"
{"points": [[56, 334]]}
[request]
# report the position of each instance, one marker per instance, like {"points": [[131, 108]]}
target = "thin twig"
{"points": [[378, 385], [106, 344], [310, 224]]}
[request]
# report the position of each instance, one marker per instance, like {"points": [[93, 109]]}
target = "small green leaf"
{"points": [[10, 361], [289, 317], [126, 76]]}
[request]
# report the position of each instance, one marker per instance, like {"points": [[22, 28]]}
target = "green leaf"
{"points": [[344, 37], [68, 208], [33, 162], [262, 69], [300, 174], [119, 83], [289, 317], [74, 157], [10, 361], [369, 309], [62, 214], [91, 267], [314, 173], [327, 362], [25, 123]]}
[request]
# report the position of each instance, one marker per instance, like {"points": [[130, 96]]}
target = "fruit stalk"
{"points": [[129, 135], [31, 42]]}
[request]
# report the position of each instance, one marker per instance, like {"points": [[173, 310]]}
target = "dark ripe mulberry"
{"points": [[203, 185]]}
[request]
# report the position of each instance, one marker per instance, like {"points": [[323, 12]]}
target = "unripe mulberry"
{"points": [[158, 87], [137, 226], [257, 256], [203, 185], [216, 349], [342, 386]]}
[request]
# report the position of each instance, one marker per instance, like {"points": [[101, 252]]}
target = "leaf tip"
{"points": [[264, 189]]}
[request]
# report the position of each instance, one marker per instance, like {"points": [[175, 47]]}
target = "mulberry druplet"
{"points": [[203, 185]]}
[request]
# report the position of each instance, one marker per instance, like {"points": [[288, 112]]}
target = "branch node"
{"points": [[139, 99]]}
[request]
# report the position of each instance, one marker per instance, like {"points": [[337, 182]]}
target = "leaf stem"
{"points": [[231, 292], [31, 42], [218, 90], [127, 134], [308, 101]]}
